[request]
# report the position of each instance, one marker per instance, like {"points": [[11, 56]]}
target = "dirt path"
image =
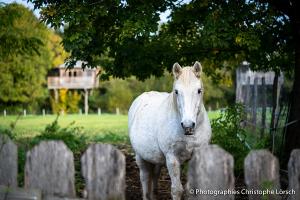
{"points": [[133, 185]]}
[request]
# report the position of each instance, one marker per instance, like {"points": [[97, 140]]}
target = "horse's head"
{"points": [[188, 94]]}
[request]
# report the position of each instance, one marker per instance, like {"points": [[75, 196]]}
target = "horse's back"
{"points": [[146, 102], [142, 124]]}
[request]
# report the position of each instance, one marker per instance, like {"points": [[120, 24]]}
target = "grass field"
{"points": [[32, 125]]}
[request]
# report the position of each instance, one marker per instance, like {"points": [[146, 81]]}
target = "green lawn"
{"points": [[32, 125]]}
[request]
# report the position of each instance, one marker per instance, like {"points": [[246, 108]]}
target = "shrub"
{"points": [[228, 133]]}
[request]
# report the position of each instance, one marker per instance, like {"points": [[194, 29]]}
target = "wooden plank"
{"points": [[50, 168], [248, 98], [294, 174], [254, 105], [103, 168], [8, 161], [261, 171], [210, 169], [264, 106]]}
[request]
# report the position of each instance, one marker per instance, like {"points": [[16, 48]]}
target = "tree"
{"points": [[22, 72], [13, 39], [125, 31], [264, 32], [56, 49], [219, 33]]}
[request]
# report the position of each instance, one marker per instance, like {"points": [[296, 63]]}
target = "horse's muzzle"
{"points": [[189, 131], [188, 127]]}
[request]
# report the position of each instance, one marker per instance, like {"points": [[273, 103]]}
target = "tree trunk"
{"points": [[292, 139]]}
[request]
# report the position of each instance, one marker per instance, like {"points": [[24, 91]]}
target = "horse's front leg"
{"points": [[173, 166], [146, 176]]}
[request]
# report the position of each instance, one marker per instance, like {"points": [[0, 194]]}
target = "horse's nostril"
{"points": [[193, 125]]}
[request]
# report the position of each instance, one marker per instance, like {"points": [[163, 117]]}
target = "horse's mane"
{"points": [[187, 76]]}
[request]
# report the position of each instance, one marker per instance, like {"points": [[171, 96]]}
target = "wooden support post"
{"points": [[86, 101], [56, 95], [275, 109], [264, 106], [254, 106]]}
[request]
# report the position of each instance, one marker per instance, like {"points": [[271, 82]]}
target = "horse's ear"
{"points": [[197, 69], [177, 70]]}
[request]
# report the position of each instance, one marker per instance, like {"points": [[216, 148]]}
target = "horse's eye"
{"points": [[199, 91], [176, 91]]}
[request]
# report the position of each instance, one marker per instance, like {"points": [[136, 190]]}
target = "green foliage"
{"points": [[224, 33], [228, 133], [124, 36], [17, 39], [122, 30], [73, 137], [121, 92], [22, 75]]}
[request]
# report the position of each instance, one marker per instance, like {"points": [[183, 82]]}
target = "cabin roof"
{"points": [[77, 65]]}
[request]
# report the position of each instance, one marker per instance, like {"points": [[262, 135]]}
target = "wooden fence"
{"points": [[49, 173], [260, 92]]}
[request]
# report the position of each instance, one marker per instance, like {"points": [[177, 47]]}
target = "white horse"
{"points": [[164, 128]]}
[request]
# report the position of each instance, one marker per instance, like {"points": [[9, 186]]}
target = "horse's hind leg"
{"points": [[156, 173], [146, 175]]}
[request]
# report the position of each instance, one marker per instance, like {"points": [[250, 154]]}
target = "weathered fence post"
{"points": [[44, 112], [4, 113], [254, 105], [50, 168], [264, 106], [294, 174], [261, 169], [8, 162], [210, 170], [248, 97], [103, 168], [24, 112], [99, 111]]}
